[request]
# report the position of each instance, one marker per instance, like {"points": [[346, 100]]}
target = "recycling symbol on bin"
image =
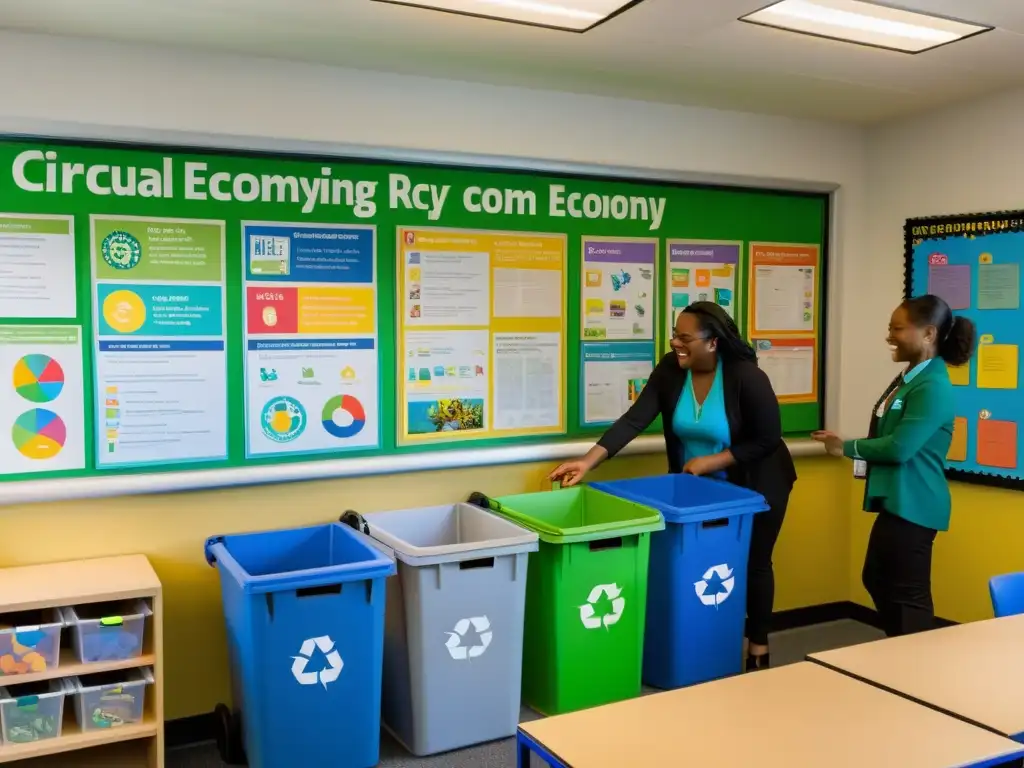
{"points": [[326, 675], [482, 626], [603, 593], [716, 586]]}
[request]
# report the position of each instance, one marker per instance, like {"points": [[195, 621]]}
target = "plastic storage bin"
{"points": [[585, 596], [108, 631], [697, 595], [453, 632], [30, 641], [305, 622], [31, 711], [108, 700]]}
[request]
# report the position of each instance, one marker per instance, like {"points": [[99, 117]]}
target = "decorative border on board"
{"points": [[944, 228]]}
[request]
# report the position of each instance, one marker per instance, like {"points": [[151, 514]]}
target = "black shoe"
{"points": [[755, 663]]}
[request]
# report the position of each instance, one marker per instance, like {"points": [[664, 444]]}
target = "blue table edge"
{"points": [[525, 744]]}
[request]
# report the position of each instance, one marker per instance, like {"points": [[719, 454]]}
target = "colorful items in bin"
{"points": [[29, 642], [32, 711], [108, 700], [108, 631]]}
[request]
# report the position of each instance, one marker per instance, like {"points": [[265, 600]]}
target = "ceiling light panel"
{"points": [[569, 15], [855, 21]]}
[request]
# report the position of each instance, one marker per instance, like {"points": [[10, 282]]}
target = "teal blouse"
{"points": [[702, 429]]}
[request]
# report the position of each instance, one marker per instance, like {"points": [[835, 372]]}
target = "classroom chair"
{"points": [[1007, 593]]}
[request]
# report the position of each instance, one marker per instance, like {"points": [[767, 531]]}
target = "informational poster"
{"points": [[792, 367], [482, 334], [41, 390], [702, 270], [37, 266], [612, 376], [783, 289], [618, 289], [973, 261], [159, 326], [312, 382]]}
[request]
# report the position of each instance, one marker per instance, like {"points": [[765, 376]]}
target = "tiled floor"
{"points": [[787, 647]]}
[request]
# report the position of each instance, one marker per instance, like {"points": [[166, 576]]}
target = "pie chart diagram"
{"points": [[39, 434], [349, 427], [38, 378]]}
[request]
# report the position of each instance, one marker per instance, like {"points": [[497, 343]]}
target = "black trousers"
{"points": [[898, 574], [760, 573]]}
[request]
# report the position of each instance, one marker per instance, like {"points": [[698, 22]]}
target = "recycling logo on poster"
{"points": [[716, 586], [328, 674], [601, 593], [457, 650]]}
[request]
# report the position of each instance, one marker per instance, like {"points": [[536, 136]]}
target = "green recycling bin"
{"points": [[586, 595]]}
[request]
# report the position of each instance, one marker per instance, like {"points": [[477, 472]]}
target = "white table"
{"points": [[794, 716], [971, 671]]}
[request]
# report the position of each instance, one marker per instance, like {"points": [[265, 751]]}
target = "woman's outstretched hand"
{"points": [[833, 443], [570, 473]]}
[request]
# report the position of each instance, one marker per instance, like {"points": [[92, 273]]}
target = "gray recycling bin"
{"points": [[453, 628]]}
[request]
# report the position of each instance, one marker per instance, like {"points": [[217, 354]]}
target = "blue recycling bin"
{"points": [[304, 610], [697, 577]]}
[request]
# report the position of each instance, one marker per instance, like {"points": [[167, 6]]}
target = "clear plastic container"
{"points": [[110, 699], [108, 631], [31, 711], [30, 641]]}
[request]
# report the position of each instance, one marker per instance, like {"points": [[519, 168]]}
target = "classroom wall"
{"points": [[76, 87], [957, 160]]}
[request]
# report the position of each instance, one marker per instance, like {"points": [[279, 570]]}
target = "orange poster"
{"points": [[997, 444], [958, 448], [783, 289]]}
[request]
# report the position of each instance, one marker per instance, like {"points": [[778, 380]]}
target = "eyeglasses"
{"points": [[687, 338]]}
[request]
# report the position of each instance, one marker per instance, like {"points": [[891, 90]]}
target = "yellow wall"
{"points": [[986, 538], [811, 557]]}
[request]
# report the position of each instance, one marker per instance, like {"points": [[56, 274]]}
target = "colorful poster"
{"points": [[618, 289], [702, 270], [792, 367], [612, 375], [312, 381], [482, 331], [159, 328], [37, 266], [783, 289], [42, 389]]}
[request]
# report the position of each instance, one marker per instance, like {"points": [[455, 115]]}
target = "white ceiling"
{"points": [[675, 51]]}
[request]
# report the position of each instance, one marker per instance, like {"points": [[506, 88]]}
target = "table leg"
{"points": [[522, 752]]}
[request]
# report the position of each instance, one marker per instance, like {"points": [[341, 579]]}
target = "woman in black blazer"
{"points": [[721, 419]]}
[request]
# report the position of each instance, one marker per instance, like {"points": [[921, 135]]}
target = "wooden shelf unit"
{"points": [[79, 582]]}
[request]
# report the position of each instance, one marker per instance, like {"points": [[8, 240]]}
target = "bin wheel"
{"points": [[229, 736]]}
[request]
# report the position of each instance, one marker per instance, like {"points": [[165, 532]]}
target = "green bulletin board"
{"points": [[53, 183]]}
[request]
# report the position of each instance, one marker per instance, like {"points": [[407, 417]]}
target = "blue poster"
{"points": [[974, 263]]}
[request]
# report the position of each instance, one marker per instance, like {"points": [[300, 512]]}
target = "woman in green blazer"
{"points": [[903, 460]]}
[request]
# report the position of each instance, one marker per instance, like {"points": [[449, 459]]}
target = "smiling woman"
{"points": [[721, 419]]}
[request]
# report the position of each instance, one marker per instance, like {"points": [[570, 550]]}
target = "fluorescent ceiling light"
{"points": [[856, 21], [569, 15]]}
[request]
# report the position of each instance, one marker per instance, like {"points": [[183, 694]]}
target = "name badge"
{"points": [[897, 404], [860, 469]]}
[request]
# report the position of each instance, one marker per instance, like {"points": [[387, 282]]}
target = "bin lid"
{"points": [[297, 558], [447, 534], [687, 498], [581, 513]]}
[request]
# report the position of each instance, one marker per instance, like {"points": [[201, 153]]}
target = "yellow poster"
{"points": [[482, 330], [997, 366]]}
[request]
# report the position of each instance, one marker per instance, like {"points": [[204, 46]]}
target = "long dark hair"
{"points": [[716, 323], [955, 340]]}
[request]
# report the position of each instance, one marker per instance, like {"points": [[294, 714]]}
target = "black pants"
{"points": [[760, 575], [898, 574]]}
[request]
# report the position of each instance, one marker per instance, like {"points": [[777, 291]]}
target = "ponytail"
{"points": [[955, 343]]}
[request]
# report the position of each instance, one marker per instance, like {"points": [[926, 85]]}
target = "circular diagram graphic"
{"points": [[283, 419], [39, 434], [38, 378], [124, 311], [121, 250], [350, 406]]}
